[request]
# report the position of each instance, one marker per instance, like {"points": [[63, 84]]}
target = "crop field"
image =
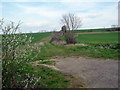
{"points": [[100, 38], [37, 37], [95, 30]]}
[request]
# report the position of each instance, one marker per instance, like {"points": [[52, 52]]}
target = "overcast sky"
{"points": [[39, 15]]}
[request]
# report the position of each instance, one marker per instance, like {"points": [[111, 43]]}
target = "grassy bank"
{"points": [[40, 77], [50, 51]]}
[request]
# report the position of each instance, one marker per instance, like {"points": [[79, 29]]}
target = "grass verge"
{"points": [[41, 77], [51, 78], [49, 51]]}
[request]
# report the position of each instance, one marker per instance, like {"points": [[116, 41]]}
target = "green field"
{"points": [[37, 37], [108, 42], [95, 30], [110, 37], [96, 38]]}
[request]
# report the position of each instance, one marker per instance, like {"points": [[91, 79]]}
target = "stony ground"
{"points": [[95, 73]]}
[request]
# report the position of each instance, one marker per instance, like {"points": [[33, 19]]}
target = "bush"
{"points": [[70, 38], [16, 50]]}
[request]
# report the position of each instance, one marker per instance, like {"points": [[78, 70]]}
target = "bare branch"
{"points": [[72, 21]]}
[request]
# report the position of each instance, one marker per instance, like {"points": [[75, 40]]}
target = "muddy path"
{"points": [[94, 73]]}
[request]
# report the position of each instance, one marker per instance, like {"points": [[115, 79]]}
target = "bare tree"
{"points": [[71, 21]]}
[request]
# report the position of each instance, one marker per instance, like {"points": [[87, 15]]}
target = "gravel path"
{"points": [[95, 73]]}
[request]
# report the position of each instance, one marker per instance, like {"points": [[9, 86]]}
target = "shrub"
{"points": [[70, 38], [16, 50]]}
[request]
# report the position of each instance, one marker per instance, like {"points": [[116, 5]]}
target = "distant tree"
{"points": [[71, 21], [113, 26]]}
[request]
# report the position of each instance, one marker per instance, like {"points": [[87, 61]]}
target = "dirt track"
{"points": [[95, 73]]}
